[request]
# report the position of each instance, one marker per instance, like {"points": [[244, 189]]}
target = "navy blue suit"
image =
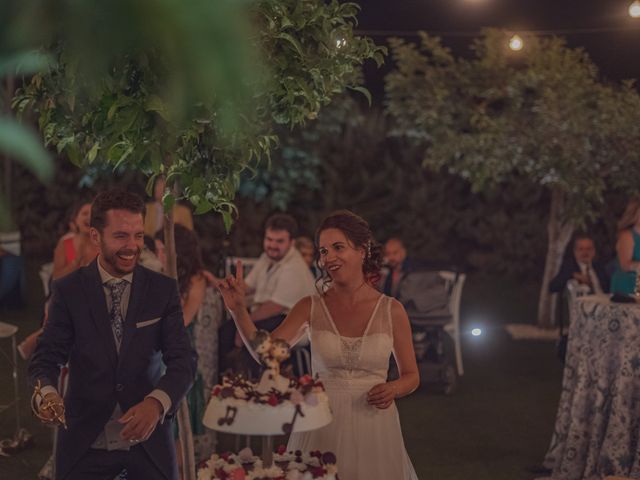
{"points": [[79, 332], [570, 266]]}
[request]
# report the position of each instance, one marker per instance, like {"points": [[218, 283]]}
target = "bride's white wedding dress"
{"points": [[366, 440]]}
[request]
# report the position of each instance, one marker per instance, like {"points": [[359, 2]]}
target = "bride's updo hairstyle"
{"points": [[358, 233]]}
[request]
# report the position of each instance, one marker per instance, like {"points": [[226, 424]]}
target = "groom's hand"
{"points": [[141, 420]]}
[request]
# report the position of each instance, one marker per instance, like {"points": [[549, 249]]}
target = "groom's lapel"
{"points": [[138, 294], [99, 313]]}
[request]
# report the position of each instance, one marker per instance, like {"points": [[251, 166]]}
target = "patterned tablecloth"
{"points": [[597, 427]]}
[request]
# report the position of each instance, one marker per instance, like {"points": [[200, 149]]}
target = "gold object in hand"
{"points": [[49, 412]]}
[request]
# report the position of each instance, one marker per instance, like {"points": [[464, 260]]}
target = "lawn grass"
{"points": [[498, 422]]}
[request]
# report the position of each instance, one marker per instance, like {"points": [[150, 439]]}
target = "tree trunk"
{"points": [[185, 435], [559, 233]]}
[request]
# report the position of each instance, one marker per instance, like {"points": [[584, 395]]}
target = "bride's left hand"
{"points": [[382, 395]]}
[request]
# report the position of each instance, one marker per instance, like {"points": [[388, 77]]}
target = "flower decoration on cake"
{"points": [[287, 466]]}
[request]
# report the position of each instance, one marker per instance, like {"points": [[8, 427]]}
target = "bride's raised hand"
{"points": [[233, 289]]}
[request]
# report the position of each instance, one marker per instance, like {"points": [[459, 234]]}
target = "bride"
{"points": [[353, 331]]}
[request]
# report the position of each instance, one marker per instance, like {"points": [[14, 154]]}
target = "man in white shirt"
{"points": [[278, 280]]}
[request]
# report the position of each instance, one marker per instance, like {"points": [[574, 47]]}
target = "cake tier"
{"points": [[287, 466], [245, 417]]}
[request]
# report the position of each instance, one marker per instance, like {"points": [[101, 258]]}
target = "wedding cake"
{"points": [[287, 466], [274, 406]]}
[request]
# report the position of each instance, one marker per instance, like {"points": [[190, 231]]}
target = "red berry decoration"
{"points": [[282, 449], [273, 400], [329, 458]]}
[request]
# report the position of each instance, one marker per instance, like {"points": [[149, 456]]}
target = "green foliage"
{"points": [[541, 114], [164, 108], [348, 161], [17, 141]]}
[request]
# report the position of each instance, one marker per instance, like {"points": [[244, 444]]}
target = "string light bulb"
{"points": [[516, 43], [341, 42], [634, 9]]}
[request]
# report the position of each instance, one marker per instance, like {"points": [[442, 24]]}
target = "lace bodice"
{"points": [[336, 356]]}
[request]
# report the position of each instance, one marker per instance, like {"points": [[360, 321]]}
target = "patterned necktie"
{"points": [[117, 322]]}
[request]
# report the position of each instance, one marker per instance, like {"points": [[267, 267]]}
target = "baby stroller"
{"points": [[432, 301]]}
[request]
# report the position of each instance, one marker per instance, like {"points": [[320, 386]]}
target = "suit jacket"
{"points": [[79, 332], [569, 267]]}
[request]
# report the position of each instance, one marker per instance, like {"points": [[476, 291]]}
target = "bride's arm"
{"points": [[382, 395], [290, 330], [233, 290], [293, 327]]}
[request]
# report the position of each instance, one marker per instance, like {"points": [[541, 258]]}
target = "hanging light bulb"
{"points": [[516, 43], [634, 9]]}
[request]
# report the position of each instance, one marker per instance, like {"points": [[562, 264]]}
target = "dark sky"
{"points": [[616, 53]]}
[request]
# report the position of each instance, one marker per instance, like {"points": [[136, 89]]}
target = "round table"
{"points": [[597, 429]]}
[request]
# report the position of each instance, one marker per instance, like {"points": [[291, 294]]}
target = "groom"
{"points": [[118, 325]]}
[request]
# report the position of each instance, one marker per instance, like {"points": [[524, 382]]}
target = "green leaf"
{"points": [[203, 206], [227, 219], [93, 153], [21, 143], [296, 44], [156, 104], [168, 201], [364, 92], [123, 158]]}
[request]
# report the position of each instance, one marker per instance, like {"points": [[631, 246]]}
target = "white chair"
{"points": [[454, 282], [247, 263]]}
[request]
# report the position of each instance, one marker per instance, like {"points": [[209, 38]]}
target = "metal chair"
{"points": [[455, 283], [432, 300], [247, 263]]}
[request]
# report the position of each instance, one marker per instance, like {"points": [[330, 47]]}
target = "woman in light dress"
{"points": [[353, 331]]}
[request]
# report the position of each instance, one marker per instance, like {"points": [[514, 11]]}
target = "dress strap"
{"points": [[389, 301]]}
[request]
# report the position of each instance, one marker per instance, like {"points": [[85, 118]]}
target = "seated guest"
{"points": [[12, 277], [399, 264], [151, 256], [75, 249], [279, 279], [583, 267], [627, 250], [154, 217], [308, 251]]}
